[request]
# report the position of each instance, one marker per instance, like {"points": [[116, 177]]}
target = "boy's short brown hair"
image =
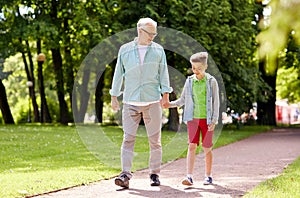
{"points": [[200, 57]]}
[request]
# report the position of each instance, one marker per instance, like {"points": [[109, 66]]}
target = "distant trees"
{"points": [[65, 31], [279, 49]]}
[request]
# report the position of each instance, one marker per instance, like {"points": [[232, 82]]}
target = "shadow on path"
{"points": [[168, 191]]}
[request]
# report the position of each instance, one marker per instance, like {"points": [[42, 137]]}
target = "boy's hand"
{"points": [[166, 105], [211, 127]]}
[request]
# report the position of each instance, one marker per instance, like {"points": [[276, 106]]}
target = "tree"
{"points": [[61, 27], [228, 33], [283, 23], [4, 106], [15, 25], [226, 30], [288, 75], [68, 30]]}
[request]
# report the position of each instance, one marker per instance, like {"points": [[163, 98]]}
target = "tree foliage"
{"points": [[68, 30], [280, 35], [283, 23], [279, 43], [225, 28], [288, 75]]}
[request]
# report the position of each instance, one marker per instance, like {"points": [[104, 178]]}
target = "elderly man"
{"points": [[142, 67]]}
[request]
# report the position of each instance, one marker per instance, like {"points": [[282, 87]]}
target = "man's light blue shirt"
{"points": [[142, 82]]}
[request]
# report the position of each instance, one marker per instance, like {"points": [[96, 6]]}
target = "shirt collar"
{"points": [[136, 42], [194, 77]]}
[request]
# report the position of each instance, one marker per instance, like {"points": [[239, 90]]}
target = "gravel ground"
{"points": [[237, 168]]}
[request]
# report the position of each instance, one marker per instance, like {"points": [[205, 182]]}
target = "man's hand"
{"points": [[165, 102], [115, 103]]}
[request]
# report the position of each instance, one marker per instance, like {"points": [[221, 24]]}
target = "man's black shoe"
{"points": [[122, 181], [154, 181]]}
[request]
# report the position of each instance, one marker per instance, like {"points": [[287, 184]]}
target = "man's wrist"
{"points": [[166, 95]]}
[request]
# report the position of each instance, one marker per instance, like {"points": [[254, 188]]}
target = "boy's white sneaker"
{"points": [[207, 181], [188, 181]]}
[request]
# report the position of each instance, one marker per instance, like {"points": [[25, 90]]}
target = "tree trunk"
{"points": [[70, 75], [30, 77], [266, 111], [32, 89], [99, 98], [75, 103], [4, 106], [173, 120], [57, 61], [84, 96], [69, 63], [45, 114]]}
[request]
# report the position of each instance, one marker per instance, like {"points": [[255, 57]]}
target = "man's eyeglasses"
{"points": [[149, 33]]}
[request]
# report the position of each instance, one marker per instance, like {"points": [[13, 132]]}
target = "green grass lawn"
{"points": [[36, 159], [286, 184]]}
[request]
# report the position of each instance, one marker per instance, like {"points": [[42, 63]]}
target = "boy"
{"points": [[200, 97]]}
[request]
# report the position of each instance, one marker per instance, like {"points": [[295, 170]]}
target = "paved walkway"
{"points": [[237, 168]]}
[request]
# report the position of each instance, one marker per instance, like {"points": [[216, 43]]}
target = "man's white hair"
{"points": [[146, 21]]}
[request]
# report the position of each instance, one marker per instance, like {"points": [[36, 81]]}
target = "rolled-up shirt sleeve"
{"points": [[164, 75], [118, 77]]}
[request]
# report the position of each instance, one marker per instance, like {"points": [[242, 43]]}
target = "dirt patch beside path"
{"points": [[237, 168]]}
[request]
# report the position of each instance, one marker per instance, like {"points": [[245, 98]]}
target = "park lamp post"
{"points": [[29, 84], [41, 59]]}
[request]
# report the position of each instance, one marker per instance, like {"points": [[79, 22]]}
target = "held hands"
{"points": [[115, 104], [165, 103], [211, 127]]}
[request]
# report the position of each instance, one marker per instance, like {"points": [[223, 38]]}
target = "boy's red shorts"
{"points": [[197, 126]]}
